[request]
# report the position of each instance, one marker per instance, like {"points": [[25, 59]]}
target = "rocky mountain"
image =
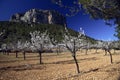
{"points": [[40, 16]]}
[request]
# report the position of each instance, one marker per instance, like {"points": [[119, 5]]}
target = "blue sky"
{"points": [[93, 28]]}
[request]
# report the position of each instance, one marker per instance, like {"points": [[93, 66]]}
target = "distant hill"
{"points": [[14, 31]]}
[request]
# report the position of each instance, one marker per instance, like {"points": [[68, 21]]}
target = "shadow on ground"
{"points": [[23, 67], [72, 61]]}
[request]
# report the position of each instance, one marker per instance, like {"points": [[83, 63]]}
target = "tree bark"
{"points": [[4, 52], [74, 56], [111, 59], [96, 51], [40, 55], [114, 51], [81, 50], [86, 51], [59, 49], [16, 54], [24, 55], [105, 52], [7, 53], [76, 62]]}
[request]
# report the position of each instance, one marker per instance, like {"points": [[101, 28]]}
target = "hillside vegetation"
{"points": [[14, 31]]}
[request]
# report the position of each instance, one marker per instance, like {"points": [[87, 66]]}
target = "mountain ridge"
{"points": [[39, 16]]}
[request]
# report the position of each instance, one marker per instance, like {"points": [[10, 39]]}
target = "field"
{"points": [[93, 66]]}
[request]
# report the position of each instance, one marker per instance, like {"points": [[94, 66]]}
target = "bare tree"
{"points": [[107, 46], [40, 41], [73, 44]]}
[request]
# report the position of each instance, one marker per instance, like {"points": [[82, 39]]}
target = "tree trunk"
{"points": [[77, 66], [111, 59], [105, 52], [59, 49], [40, 55], [16, 54], [74, 56], [7, 53], [114, 51], [81, 50], [4, 52], [90, 50], [86, 51], [96, 51], [24, 55]]}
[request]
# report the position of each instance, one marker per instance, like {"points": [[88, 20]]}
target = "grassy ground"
{"points": [[93, 66]]}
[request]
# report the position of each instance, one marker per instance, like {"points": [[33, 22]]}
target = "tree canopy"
{"points": [[103, 9], [98, 9]]}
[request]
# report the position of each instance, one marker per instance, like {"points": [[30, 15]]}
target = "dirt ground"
{"points": [[93, 66]]}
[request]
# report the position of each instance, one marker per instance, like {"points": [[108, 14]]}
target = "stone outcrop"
{"points": [[40, 16]]}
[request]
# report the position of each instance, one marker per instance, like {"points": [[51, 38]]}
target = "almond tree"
{"points": [[107, 46], [73, 44], [87, 47], [15, 47], [56, 44], [116, 45], [4, 47], [1, 33], [26, 47], [23, 46], [96, 47], [40, 41]]}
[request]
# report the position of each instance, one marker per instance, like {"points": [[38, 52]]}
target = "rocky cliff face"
{"points": [[40, 16]]}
